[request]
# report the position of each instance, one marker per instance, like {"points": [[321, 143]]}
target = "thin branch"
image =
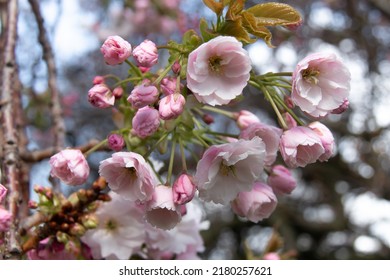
{"points": [[39, 155], [59, 125], [11, 141]]}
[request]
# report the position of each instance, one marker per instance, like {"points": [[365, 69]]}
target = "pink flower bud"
{"points": [[116, 142], [288, 101], [98, 80], [5, 219], [146, 54], [343, 107], [271, 256], [281, 180], [70, 166], [101, 96], [162, 212], [168, 85], [143, 95], [176, 67], [171, 106], [145, 122], [3, 192], [115, 50], [118, 92], [183, 189], [290, 121], [255, 205], [294, 26], [246, 118], [326, 138]]}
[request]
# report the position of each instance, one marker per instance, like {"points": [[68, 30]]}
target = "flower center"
{"points": [[225, 169], [111, 225], [215, 65], [132, 172], [311, 75]]}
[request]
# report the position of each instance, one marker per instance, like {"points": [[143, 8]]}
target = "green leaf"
{"points": [[251, 24], [271, 14], [191, 40], [235, 8], [235, 28], [205, 31], [216, 7]]}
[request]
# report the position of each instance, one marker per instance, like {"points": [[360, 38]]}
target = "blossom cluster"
{"points": [[169, 111]]}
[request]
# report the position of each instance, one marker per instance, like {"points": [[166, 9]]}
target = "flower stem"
{"points": [[218, 111], [279, 100], [171, 160], [156, 144], [132, 79], [183, 155], [136, 70], [222, 134], [269, 97], [164, 73], [96, 147]]}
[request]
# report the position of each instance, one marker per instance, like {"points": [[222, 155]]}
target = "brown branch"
{"points": [[11, 142], [36, 156], [59, 125]]}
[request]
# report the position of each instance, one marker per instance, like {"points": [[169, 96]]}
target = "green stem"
{"points": [[156, 144], [222, 134], [163, 74], [201, 140], [219, 111], [280, 74], [132, 79], [136, 70], [96, 147], [183, 156], [271, 100], [171, 160], [154, 170], [171, 48], [280, 101]]}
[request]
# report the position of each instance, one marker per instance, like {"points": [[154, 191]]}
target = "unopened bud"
{"points": [[32, 204], [62, 237], [77, 229], [208, 119], [176, 67], [82, 195], [74, 199], [90, 221], [117, 92]]}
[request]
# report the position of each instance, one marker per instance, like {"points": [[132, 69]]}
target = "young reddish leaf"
{"points": [[271, 14], [216, 7], [250, 23], [235, 29], [235, 8]]}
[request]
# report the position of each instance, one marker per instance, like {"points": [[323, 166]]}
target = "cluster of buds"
{"points": [[64, 220]]}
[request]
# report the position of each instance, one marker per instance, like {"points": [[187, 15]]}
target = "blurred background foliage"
{"points": [[340, 209]]}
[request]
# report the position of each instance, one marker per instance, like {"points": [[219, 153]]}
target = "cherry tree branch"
{"points": [[11, 159], [48, 56]]}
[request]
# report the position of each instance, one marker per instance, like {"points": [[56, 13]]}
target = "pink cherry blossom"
{"points": [[5, 219], [226, 169], [321, 83], [120, 232], [3, 192], [146, 54], [281, 180], [218, 70], [171, 106], [162, 211], [183, 239], [101, 96], [70, 166], [98, 80], [115, 50], [269, 134], [168, 85], [290, 121], [117, 92], [326, 137], [145, 122], [245, 118], [300, 146], [143, 95], [271, 256], [115, 142], [128, 175], [257, 204], [183, 189]]}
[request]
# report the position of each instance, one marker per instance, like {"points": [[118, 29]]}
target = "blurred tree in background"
{"points": [[340, 209]]}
